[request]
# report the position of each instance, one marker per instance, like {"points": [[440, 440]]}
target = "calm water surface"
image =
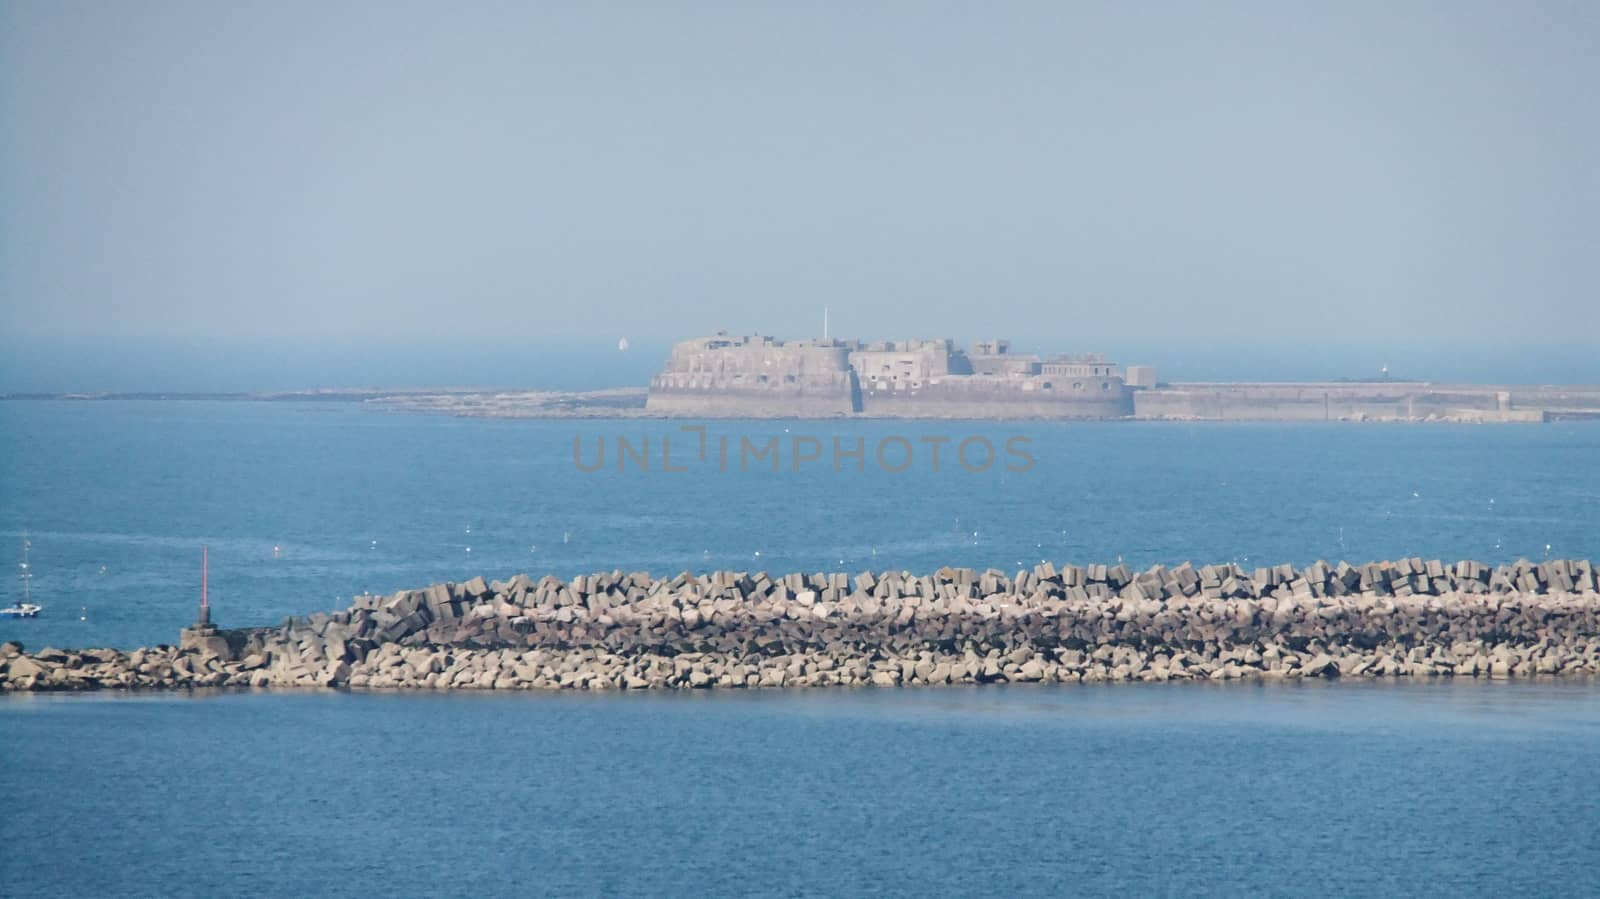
{"points": [[306, 504], [1347, 789]]}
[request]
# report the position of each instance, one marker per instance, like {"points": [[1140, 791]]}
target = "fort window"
{"points": [[1077, 385], [1105, 385], [1049, 386]]}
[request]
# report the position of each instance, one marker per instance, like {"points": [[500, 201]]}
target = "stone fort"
{"points": [[760, 377]]}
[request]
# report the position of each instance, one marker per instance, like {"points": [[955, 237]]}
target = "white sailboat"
{"points": [[27, 608]]}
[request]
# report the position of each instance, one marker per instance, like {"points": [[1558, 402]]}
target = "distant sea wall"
{"points": [[1408, 618], [1365, 401]]}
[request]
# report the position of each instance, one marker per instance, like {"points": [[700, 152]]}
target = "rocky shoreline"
{"points": [[1096, 623]]}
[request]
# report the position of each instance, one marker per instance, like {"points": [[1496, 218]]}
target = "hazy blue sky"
{"points": [[1331, 183]]}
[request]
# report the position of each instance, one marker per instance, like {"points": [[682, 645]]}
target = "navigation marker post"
{"points": [[205, 602], [204, 637]]}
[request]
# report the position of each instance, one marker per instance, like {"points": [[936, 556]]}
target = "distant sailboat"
{"points": [[27, 608]]}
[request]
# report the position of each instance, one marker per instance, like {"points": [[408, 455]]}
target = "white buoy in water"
{"points": [[623, 344]]}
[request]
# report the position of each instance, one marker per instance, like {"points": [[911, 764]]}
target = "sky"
{"points": [[227, 195]]}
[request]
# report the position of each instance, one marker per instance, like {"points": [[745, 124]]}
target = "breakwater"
{"points": [[1407, 618]]}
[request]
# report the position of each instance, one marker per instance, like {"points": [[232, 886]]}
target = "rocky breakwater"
{"points": [[1410, 618]]}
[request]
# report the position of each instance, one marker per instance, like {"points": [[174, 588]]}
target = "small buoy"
{"points": [[623, 344], [275, 550], [469, 549]]}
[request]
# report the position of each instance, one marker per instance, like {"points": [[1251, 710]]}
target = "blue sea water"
{"points": [[303, 505], [1312, 789], [1458, 789]]}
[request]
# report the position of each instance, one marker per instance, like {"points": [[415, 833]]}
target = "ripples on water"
{"points": [[119, 495], [1244, 789], [1311, 789]]}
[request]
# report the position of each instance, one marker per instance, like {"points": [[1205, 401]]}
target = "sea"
{"points": [[1177, 789]]}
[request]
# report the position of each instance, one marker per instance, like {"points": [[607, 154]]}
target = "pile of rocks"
{"points": [[160, 667], [1094, 623]]}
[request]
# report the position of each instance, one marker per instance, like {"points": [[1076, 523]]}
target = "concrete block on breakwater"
{"points": [[616, 630]]}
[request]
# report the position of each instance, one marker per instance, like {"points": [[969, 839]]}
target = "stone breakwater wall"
{"points": [[1410, 618]]}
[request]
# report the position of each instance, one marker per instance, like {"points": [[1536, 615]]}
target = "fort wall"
{"points": [[995, 397], [759, 377], [755, 377], [739, 377]]}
